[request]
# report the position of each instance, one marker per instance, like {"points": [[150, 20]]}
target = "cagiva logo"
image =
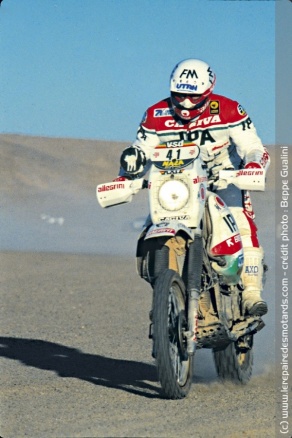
{"points": [[202, 122], [184, 217], [107, 187]]}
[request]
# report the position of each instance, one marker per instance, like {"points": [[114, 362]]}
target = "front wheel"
{"points": [[174, 365], [234, 363]]}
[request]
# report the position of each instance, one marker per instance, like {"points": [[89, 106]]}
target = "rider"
{"points": [[227, 139]]}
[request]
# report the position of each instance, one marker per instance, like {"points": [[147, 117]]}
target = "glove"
{"points": [[253, 165], [120, 178], [253, 160], [133, 160]]}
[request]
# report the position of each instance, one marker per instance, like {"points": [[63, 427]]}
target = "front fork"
{"points": [[166, 257], [195, 263]]}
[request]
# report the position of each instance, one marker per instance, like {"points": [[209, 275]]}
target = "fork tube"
{"points": [[194, 286], [161, 260]]}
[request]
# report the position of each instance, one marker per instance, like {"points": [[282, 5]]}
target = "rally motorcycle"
{"points": [[190, 251]]}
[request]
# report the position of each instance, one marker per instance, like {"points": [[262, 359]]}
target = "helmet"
{"points": [[191, 82]]}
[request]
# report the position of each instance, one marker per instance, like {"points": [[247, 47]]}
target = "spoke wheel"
{"points": [[169, 325]]}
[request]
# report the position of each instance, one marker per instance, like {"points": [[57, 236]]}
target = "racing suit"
{"points": [[228, 140]]}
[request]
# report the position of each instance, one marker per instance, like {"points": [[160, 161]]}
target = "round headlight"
{"points": [[173, 195]]}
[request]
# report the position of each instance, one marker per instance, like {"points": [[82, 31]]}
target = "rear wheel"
{"points": [[234, 363], [169, 325]]}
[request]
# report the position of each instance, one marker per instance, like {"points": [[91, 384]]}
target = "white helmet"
{"points": [[191, 82]]}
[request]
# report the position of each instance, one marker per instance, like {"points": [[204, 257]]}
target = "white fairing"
{"points": [[224, 238], [224, 241], [245, 179], [177, 186], [117, 192]]}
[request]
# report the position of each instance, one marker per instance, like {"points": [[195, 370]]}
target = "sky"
{"points": [[89, 69]]}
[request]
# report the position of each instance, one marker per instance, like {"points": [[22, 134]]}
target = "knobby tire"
{"points": [[169, 313], [233, 364]]}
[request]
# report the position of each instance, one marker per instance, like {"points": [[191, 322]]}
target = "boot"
{"points": [[252, 279], [253, 304]]}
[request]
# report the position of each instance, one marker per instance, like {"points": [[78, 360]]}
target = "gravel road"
{"points": [[76, 359]]}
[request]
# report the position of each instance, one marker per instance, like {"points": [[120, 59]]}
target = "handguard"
{"points": [[118, 192], [133, 160], [245, 179]]}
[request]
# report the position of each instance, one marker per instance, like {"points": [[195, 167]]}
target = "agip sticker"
{"points": [[214, 107]]}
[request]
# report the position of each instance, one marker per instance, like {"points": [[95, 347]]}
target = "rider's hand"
{"points": [[120, 178], [253, 165]]}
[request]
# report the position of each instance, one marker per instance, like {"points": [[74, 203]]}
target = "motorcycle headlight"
{"points": [[173, 195]]}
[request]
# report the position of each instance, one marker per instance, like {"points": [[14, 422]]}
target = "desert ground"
{"points": [[75, 356]]}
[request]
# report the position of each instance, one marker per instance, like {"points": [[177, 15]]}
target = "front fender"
{"points": [[170, 229]]}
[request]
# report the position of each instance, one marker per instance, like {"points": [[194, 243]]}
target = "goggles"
{"points": [[180, 97]]}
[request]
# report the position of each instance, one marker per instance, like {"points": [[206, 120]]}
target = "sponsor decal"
{"points": [[252, 270], [172, 124], [189, 74], [202, 122], [214, 107], [176, 218], [174, 144], [199, 179], [171, 172], [161, 230], [107, 187], [229, 246], [175, 163], [205, 121], [233, 240], [241, 110], [186, 87], [249, 172], [163, 112]]}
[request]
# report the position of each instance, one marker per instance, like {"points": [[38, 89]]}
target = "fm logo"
{"points": [[189, 73]]}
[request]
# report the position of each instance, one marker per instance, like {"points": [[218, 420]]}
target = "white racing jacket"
{"points": [[221, 130]]}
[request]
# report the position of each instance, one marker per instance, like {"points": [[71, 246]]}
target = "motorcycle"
{"points": [[190, 251]]}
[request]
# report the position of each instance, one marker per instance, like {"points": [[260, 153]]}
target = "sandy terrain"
{"points": [[75, 355]]}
